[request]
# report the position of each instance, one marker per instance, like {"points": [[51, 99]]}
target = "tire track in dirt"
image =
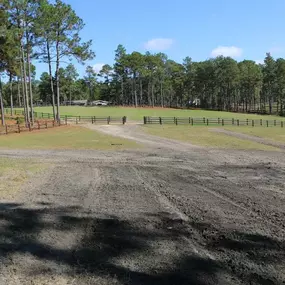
{"points": [[132, 132], [250, 137]]}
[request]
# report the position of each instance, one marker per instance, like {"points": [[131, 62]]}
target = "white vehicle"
{"points": [[100, 103]]}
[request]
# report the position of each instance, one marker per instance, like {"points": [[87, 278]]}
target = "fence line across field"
{"points": [[19, 128], [213, 121], [74, 119]]}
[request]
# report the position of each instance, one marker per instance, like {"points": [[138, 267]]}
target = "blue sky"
{"points": [[197, 28]]}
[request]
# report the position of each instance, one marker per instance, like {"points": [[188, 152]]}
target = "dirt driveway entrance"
{"points": [[168, 214]]}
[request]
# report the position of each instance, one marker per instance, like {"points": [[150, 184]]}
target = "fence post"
{"points": [[238, 122], [160, 121], [252, 123], [144, 120], [207, 122], [223, 122], [76, 121], [6, 129], [192, 121], [204, 120], [124, 120], [274, 123], [233, 121], [92, 120], [42, 115], [281, 124], [260, 122], [247, 122], [267, 123], [176, 122], [19, 128], [108, 120]]}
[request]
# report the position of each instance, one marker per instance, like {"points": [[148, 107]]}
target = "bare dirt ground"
{"points": [[168, 214]]}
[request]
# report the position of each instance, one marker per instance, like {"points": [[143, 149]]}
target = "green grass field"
{"points": [[203, 136], [273, 133], [65, 137], [137, 114]]}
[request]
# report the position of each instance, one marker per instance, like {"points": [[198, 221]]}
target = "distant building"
{"points": [[99, 103]]}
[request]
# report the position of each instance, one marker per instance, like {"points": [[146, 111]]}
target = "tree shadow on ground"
{"points": [[103, 240], [251, 257]]}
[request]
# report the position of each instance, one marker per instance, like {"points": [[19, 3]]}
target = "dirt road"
{"points": [[168, 214]]}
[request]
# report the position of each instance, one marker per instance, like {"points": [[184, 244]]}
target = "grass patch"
{"points": [[65, 137], [274, 133], [14, 172], [203, 136], [138, 113]]}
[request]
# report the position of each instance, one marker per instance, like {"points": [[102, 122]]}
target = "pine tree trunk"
{"points": [[161, 94], [11, 95], [25, 85], [141, 93], [70, 95], [152, 93], [23, 92], [51, 80], [30, 86], [135, 90], [1, 104], [122, 91], [57, 82], [270, 105], [19, 93]]}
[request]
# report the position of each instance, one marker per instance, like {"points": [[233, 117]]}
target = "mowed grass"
{"points": [[14, 172], [272, 133], [137, 114], [65, 137], [203, 136]]}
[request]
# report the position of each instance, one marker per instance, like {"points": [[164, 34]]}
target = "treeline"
{"points": [[154, 80], [220, 83], [42, 30]]}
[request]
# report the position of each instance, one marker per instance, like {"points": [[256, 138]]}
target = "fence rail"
{"points": [[213, 121], [74, 119], [19, 128]]}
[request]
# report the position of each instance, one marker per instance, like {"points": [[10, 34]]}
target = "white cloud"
{"points": [[98, 66], [259, 61], [227, 51], [159, 44]]}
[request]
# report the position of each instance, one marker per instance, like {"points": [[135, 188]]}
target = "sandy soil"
{"points": [[168, 214]]}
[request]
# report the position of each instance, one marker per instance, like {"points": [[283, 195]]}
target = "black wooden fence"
{"points": [[213, 121], [73, 119], [19, 128]]}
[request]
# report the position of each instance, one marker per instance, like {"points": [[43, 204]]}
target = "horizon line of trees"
{"points": [[219, 83], [42, 30], [153, 80]]}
